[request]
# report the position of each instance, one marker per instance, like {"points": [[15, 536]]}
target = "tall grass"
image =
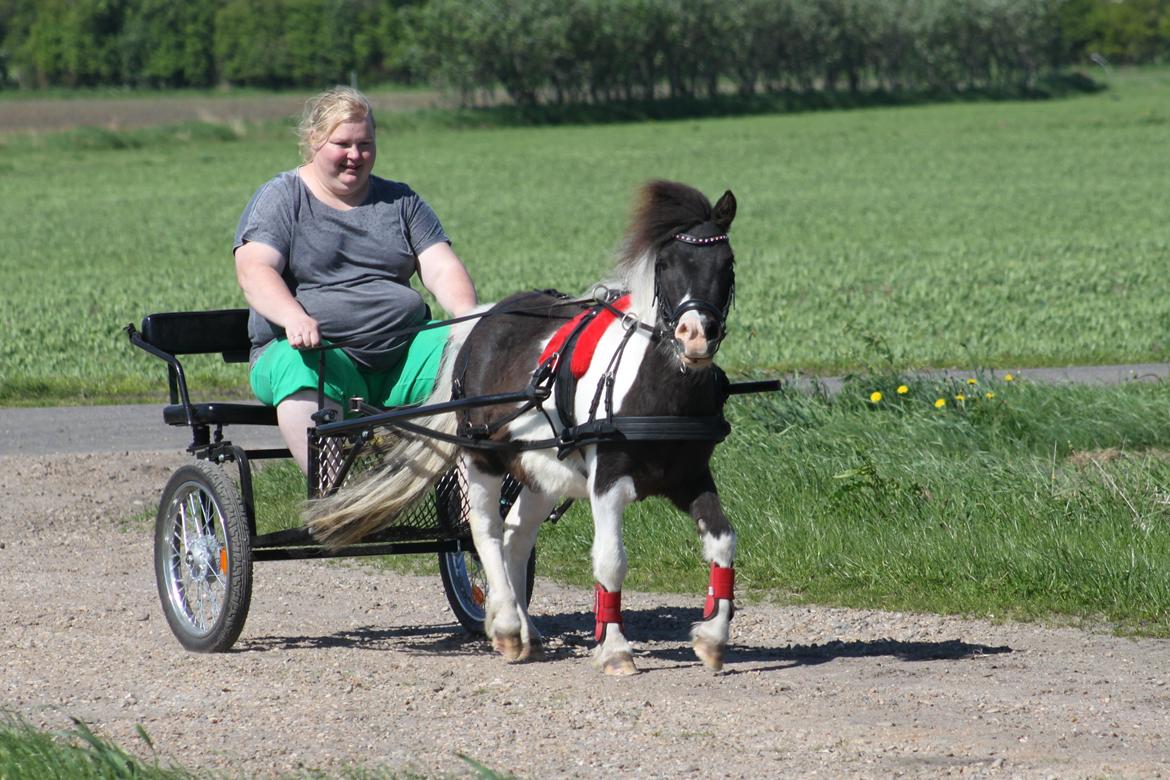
{"points": [[27, 753], [1001, 233]]}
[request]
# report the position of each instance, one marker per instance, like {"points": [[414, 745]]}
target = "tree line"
{"points": [[571, 50]]}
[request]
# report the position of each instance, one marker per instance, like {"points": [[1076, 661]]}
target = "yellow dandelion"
{"points": [[902, 389], [940, 403], [989, 395], [1008, 378], [972, 381], [960, 397], [875, 396]]}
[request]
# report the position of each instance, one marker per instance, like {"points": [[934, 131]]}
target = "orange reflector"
{"points": [[477, 595], [223, 561]]}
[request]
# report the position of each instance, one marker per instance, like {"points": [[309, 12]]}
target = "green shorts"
{"points": [[281, 371]]}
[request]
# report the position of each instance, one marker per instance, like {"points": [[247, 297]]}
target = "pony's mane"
{"points": [[662, 209]]}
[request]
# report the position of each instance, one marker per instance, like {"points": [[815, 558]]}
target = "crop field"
{"points": [[993, 235]]}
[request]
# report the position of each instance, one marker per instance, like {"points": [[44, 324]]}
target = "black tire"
{"points": [[203, 558], [462, 573]]}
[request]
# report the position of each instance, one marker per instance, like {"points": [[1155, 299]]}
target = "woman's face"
{"points": [[344, 161]]}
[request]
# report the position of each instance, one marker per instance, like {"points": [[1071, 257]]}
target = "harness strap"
{"points": [[566, 379], [607, 606], [722, 586], [577, 340], [605, 384], [572, 439], [707, 428]]}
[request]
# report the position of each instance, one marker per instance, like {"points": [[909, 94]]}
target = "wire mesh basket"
{"points": [[341, 461]]}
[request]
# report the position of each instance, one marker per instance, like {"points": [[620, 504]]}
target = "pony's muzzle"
{"points": [[697, 336]]}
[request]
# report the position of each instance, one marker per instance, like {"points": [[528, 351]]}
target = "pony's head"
{"points": [[677, 262]]}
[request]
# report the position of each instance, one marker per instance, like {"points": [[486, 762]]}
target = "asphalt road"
{"points": [[132, 428], [140, 428]]}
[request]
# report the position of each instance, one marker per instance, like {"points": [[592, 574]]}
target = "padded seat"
{"points": [[216, 413]]}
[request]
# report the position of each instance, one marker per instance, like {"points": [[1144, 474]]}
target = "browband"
{"points": [[687, 238]]}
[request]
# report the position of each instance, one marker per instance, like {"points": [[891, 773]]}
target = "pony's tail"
{"points": [[410, 464]]}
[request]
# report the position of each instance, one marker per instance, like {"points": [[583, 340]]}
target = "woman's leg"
{"points": [[294, 416], [287, 379]]}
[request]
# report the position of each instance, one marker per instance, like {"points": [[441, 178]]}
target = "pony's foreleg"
{"points": [[710, 635], [520, 531], [502, 622], [613, 653]]}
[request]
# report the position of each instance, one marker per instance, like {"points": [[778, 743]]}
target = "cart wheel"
{"points": [[203, 558], [466, 586]]}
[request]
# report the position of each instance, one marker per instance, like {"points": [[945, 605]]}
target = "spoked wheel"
{"points": [[462, 572], [203, 558]]}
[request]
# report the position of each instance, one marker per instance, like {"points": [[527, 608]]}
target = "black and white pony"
{"points": [[640, 418]]}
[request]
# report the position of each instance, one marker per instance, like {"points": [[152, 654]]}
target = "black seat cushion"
{"points": [[216, 413]]}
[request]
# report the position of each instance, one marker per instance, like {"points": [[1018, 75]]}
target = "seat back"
{"points": [[200, 332]]}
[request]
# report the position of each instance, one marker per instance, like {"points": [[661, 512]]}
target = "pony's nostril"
{"points": [[687, 331]]}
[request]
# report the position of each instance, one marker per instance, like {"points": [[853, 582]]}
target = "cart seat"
{"points": [[217, 413]]}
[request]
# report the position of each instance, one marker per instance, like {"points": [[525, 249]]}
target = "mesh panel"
{"points": [[441, 514]]}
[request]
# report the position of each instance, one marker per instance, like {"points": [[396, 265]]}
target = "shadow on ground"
{"points": [[569, 632]]}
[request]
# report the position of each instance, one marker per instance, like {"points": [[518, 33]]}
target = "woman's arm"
{"points": [[445, 276], [258, 268]]}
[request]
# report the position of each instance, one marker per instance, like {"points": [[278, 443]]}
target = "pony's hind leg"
{"points": [[710, 635], [520, 531], [502, 622], [613, 655]]}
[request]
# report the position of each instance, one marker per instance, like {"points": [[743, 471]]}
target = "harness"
{"points": [[566, 358]]}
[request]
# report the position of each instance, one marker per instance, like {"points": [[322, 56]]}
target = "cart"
{"points": [[205, 538]]}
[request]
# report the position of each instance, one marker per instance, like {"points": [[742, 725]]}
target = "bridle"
{"points": [[668, 319]]}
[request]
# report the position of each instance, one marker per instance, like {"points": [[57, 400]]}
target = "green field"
{"points": [[984, 235], [997, 234]]}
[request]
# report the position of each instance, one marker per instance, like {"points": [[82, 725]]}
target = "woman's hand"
{"points": [[303, 332]]}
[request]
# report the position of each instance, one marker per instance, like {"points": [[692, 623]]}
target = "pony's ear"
{"points": [[724, 211]]}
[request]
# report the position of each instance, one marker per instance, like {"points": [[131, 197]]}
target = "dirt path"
{"points": [[39, 114], [340, 664]]}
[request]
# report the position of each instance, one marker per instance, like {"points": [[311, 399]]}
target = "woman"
{"points": [[325, 252]]}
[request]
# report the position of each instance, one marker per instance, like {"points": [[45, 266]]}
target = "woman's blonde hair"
{"points": [[326, 111]]}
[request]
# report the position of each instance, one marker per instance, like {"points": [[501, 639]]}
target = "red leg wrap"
{"points": [[722, 587], [608, 608]]}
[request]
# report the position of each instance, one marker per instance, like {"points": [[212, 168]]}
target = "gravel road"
{"points": [[342, 664]]}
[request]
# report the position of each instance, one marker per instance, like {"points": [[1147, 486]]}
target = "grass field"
{"points": [[989, 235], [997, 234]]}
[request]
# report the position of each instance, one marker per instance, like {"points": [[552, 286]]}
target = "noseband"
{"points": [[668, 320]]}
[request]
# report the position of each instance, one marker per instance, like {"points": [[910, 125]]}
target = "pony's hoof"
{"points": [[619, 665], [710, 653], [508, 646]]}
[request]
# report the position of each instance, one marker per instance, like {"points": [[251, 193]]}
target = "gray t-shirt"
{"points": [[350, 270]]}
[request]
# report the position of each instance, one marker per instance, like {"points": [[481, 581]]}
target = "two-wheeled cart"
{"points": [[206, 539]]}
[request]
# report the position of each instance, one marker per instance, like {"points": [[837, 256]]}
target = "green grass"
{"points": [[996, 233], [28, 753], [79, 754]]}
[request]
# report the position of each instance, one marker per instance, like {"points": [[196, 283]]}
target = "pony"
{"points": [[625, 403]]}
